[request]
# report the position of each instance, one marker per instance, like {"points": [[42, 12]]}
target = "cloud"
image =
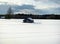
{"points": [[55, 1], [19, 2], [31, 9], [48, 3], [39, 4], [26, 7], [35, 6]]}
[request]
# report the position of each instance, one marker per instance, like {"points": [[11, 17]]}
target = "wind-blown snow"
{"points": [[14, 31]]}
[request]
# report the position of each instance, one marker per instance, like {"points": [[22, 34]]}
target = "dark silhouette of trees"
{"points": [[10, 15]]}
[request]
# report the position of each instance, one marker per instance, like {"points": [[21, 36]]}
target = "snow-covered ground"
{"points": [[14, 31]]}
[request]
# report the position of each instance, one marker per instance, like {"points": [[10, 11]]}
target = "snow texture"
{"points": [[14, 31]]}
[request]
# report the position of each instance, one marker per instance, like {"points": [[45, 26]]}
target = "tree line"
{"points": [[22, 16]]}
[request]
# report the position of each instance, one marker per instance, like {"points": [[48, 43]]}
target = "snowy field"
{"points": [[14, 31]]}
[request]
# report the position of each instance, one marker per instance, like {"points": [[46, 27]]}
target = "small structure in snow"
{"points": [[28, 20], [2, 17]]}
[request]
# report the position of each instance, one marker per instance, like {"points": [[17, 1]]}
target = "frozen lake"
{"points": [[14, 31]]}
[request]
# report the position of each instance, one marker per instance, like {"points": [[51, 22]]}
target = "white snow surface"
{"points": [[14, 31]]}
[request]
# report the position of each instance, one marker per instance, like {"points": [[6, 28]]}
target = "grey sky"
{"points": [[48, 6]]}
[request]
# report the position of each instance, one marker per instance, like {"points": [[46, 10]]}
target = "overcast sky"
{"points": [[39, 4], [47, 6]]}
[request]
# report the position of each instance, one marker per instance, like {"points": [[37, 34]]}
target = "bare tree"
{"points": [[9, 13]]}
